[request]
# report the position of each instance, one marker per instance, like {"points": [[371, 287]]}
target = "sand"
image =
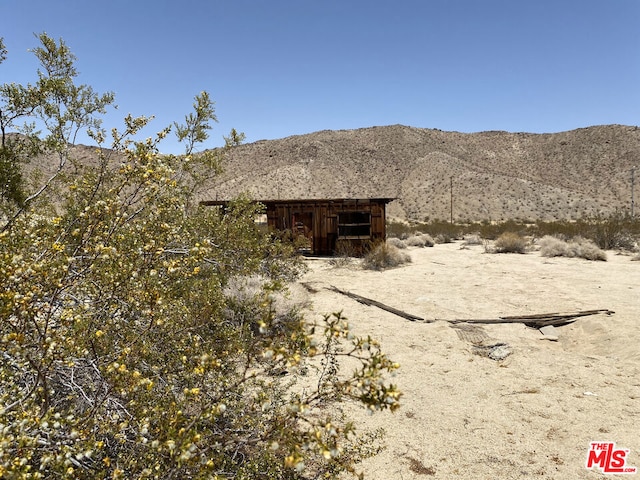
{"points": [[467, 416]]}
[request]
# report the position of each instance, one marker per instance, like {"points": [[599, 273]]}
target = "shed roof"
{"points": [[306, 201]]}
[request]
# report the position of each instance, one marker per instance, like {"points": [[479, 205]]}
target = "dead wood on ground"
{"points": [[533, 320]]}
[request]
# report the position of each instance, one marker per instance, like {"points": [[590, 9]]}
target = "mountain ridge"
{"points": [[491, 175]]}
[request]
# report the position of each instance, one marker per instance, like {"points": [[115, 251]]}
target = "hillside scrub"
{"points": [[140, 333]]}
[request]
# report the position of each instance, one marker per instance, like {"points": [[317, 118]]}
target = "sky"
{"points": [[277, 68]]}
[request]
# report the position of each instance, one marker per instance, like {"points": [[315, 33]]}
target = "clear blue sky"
{"points": [[284, 67]]}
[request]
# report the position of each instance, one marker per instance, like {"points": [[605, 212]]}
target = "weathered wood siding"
{"points": [[363, 221], [321, 222]]}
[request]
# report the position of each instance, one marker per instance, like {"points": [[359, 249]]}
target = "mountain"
{"points": [[491, 175]]}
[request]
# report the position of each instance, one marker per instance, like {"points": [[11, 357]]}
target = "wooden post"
{"points": [[451, 190], [633, 182]]}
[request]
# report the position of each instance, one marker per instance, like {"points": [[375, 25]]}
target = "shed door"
{"points": [[302, 229]]}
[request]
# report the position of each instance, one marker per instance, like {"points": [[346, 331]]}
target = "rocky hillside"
{"points": [[490, 175]]}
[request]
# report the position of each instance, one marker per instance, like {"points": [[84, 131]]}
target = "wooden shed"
{"points": [[329, 225]]}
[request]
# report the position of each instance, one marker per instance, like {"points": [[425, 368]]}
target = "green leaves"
{"points": [[197, 124], [144, 338], [54, 103], [56, 58]]}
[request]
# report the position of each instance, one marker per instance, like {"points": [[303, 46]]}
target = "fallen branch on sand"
{"points": [[538, 320], [368, 301], [534, 320]]}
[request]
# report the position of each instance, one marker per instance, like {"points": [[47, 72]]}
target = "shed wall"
{"points": [[320, 222]]}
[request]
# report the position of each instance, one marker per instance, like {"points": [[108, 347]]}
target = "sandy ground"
{"points": [[466, 416]]}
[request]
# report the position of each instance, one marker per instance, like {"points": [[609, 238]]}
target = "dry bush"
{"points": [[443, 238], [343, 255], [383, 256], [578, 247], [420, 240], [396, 242], [587, 249], [510, 242], [473, 239], [415, 241], [428, 240], [551, 246]]}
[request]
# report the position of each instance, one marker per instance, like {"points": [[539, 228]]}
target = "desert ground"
{"points": [[464, 415]]}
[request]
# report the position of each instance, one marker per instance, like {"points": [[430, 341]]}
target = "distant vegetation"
{"points": [[617, 231]]}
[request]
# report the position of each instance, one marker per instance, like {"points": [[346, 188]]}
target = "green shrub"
{"points": [[510, 242], [614, 231], [383, 255], [396, 229], [491, 231], [444, 231], [415, 241], [142, 336], [441, 238]]}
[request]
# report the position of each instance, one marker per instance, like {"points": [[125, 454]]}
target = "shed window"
{"points": [[354, 224]]}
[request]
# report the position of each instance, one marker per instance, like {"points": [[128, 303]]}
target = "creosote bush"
{"points": [[383, 255], [440, 231], [140, 334]]}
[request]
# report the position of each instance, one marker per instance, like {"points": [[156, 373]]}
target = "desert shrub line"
{"points": [[618, 230]]}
